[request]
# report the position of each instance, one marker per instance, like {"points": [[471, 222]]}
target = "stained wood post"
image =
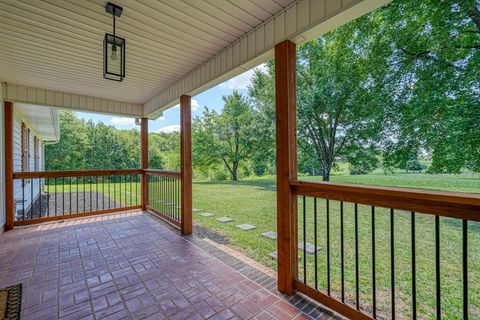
{"points": [[285, 97], [9, 199], [144, 161], [186, 163]]}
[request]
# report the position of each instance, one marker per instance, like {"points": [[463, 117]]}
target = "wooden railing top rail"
{"points": [[156, 172], [74, 173], [448, 204]]}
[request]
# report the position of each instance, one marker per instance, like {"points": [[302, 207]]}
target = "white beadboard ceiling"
{"points": [[51, 51], [57, 44]]}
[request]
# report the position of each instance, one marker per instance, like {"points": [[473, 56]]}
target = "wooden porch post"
{"points": [[144, 161], [9, 199], [285, 91], [186, 163]]}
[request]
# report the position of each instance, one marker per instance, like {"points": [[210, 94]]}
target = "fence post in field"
{"points": [[144, 161], [186, 163], [285, 98]]}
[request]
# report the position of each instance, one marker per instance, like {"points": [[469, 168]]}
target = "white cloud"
{"points": [[161, 118], [195, 105], [170, 129], [122, 121], [242, 81]]}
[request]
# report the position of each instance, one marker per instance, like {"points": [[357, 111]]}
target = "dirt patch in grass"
{"points": [[203, 232]]}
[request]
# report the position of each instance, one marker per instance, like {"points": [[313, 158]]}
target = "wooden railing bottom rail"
{"points": [[163, 217], [74, 215], [330, 302]]}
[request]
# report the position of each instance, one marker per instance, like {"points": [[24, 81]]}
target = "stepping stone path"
{"points": [[224, 219], [309, 248], [207, 214], [273, 255], [195, 210], [270, 234], [246, 226]]}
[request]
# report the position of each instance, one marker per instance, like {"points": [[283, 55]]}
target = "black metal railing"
{"points": [[164, 194], [52, 195], [391, 254]]}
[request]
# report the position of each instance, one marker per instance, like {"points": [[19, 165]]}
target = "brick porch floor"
{"points": [[130, 266]]}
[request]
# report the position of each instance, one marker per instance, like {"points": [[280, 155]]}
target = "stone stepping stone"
{"points": [[225, 219], [246, 226], [273, 255], [270, 234], [195, 210], [207, 214], [309, 248]]}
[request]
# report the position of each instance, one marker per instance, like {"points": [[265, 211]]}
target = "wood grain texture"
{"points": [[144, 161], [186, 163], [74, 173], [163, 173], [75, 215], [448, 204], [164, 217], [330, 302], [9, 196], [285, 92]]}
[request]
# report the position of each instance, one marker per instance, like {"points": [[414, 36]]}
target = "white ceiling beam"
{"points": [[65, 100]]}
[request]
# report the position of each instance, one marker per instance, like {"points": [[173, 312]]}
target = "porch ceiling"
{"points": [[52, 49], [57, 44]]}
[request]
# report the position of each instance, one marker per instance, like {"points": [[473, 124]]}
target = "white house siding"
{"points": [[31, 190]]}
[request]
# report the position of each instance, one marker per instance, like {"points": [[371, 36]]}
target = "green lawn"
{"points": [[253, 201]]}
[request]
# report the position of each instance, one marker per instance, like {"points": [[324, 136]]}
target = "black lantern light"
{"points": [[114, 49]]}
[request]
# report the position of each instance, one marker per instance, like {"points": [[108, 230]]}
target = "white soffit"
{"points": [[43, 120], [301, 21], [57, 45]]}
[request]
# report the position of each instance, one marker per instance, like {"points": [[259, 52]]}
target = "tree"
{"points": [[224, 138]]}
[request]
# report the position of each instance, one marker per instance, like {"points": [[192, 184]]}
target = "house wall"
{"points": [[2, 160], [26, 195]]}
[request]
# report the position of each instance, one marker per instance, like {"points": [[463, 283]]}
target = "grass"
{"points": [[253, 201]]}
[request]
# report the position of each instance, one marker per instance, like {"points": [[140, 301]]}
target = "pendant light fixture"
{"points": [[114, 49]]}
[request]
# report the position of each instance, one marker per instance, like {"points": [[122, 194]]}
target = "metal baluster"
{"points": [[392, 260], [374, 280], [70, 194], [465, 268], [23, 199], [55, 182], [84, 194], [131, 189], [63, 196], [114, 193], [91, 197], [31, 199], [77, 193], [437, 267], [304, 241], [414, 269], [40, 195], [47, 181], [96, 192], [315, 240], [103, 192], [342, 253], [328, 246]]}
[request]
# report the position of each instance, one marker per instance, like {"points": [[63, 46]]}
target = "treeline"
{"points": [[95, 145]]}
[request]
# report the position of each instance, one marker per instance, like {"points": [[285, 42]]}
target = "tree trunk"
{"points": [[235, 171], [326, 171]]}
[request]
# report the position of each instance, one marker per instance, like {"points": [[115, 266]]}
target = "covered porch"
{"points": [[132, 265], [85, 253]]}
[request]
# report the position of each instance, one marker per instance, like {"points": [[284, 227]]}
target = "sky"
{"points": [[170, 121]]}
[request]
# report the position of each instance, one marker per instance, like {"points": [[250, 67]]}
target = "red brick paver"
{"points": [[126, 266]]}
